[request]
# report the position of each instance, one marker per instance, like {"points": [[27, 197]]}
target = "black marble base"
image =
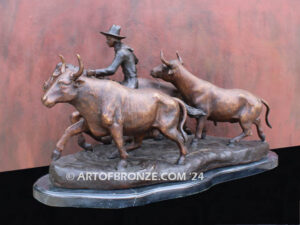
{"points": [[46, 193]]}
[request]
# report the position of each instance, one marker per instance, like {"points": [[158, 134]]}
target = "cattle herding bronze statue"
{"points": [[108, 108], [220, 105], [144, 83]]}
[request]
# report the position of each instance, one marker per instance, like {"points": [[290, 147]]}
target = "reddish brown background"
{"points": [[254, 45]]}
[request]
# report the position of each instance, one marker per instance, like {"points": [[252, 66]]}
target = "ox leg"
{"points": [[156, 135], [116, 132], [176, 136], [260, 130], [203, 135], [74, 118], [246, 132], [199, 130], [72, 130], [187, 129], [83, 144], [136, 144], [107, 140]]}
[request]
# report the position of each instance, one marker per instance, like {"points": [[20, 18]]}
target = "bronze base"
{"points": [[152, 163]]}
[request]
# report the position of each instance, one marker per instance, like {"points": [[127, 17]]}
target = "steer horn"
{"points": [[163, 59], [63, 66], [80, 71]]}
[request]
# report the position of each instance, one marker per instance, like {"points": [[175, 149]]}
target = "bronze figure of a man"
{"points": [[124, 56]]}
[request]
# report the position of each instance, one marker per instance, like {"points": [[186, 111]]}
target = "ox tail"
{"points": [[184, 116], [267, 113]]}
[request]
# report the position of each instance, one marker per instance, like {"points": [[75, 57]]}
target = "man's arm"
{"points": [[112, 68]]}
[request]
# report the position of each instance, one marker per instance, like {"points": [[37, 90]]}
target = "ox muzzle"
{"points": [[47, 102]]}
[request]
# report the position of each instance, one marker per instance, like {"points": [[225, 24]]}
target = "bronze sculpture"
{"points": [[220, 105], [108, 108], [124, 57]]}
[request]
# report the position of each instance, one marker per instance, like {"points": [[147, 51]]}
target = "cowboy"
{"points": [[124, 56]]}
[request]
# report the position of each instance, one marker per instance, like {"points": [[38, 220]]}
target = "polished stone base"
{"points": [[45, 192]]}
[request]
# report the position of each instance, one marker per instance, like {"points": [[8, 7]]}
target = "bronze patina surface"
{"points": [[158, 158]]}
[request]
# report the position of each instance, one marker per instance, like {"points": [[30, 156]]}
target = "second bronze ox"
{"points": [[219, 104]]}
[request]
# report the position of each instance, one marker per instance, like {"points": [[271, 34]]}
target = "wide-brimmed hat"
{"points": [[114, 31]]}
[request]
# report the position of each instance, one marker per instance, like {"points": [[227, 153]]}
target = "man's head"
{"points": [[113, 35], [111, 41]]}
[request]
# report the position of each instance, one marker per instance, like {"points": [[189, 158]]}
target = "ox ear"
{"points": [[56, 73]]}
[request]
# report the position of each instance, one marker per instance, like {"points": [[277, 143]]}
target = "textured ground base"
{"points": [[92, 169], [45, 192]]}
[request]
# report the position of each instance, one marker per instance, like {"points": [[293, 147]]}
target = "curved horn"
{"points": [[179, 58], [163, 59], [80, 71], [63, 66]]}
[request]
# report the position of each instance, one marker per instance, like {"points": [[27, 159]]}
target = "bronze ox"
{"points": [[220, 105], [108, 108], [164, 87]]}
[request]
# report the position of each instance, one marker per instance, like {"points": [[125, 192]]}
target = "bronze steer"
{"points": [[108, 108], [224, 105]]}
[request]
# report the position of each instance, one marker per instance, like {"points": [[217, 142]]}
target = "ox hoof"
{"points": [[122, 164], [88, 147], [113, 155], [194, 142], [55, 155], [181, 160], [231, 144]]}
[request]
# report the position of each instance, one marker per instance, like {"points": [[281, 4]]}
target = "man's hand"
{"points": [[91, 73]]}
